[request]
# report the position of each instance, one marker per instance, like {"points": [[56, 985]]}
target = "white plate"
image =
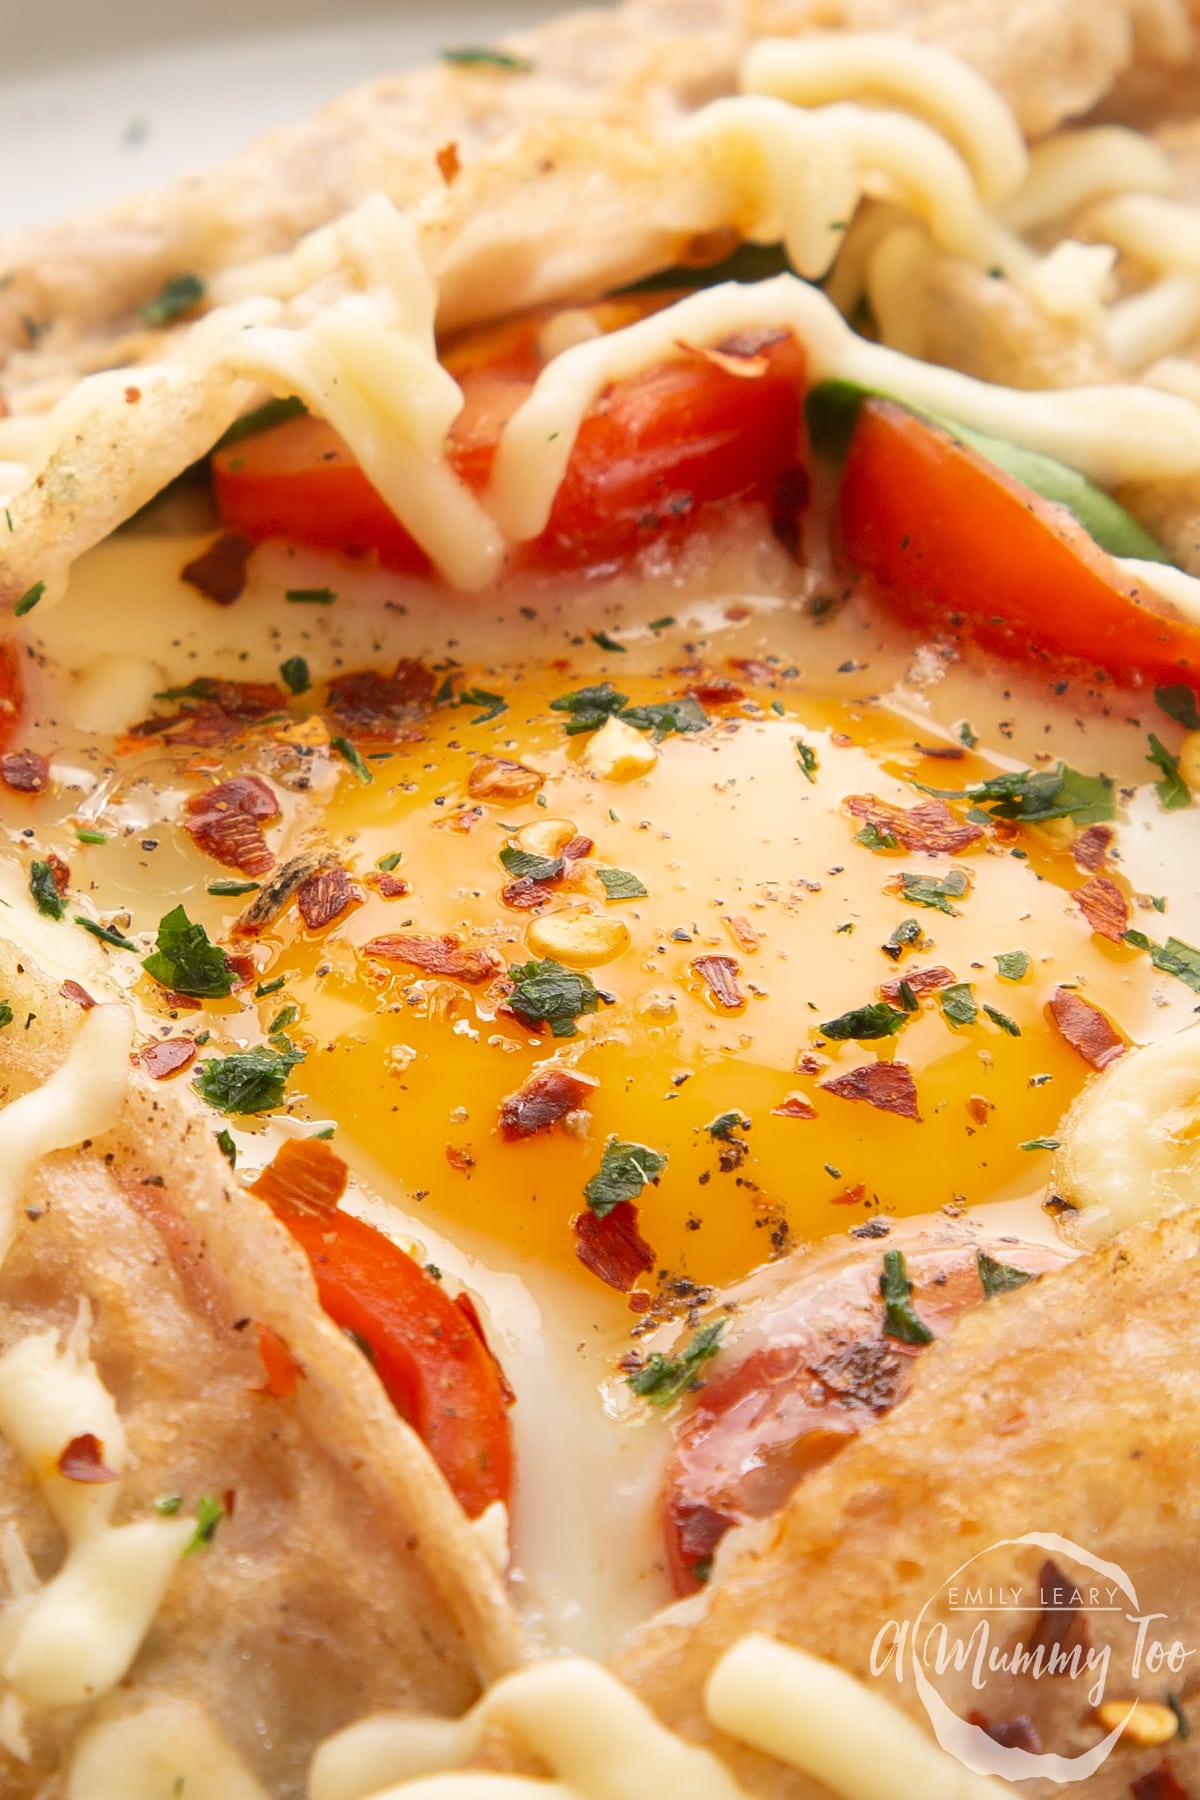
{"points": [[100, 101]]}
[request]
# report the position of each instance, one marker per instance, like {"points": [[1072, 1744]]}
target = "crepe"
{"points": [[343, 1574]]}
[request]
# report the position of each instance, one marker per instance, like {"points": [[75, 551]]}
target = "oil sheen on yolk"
{"points": [[414, 1068]]}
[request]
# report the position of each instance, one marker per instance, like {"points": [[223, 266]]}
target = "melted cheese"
{"points": [[74, 1639], [813, 1716], [80, 1100], [1074, 168], [588, 1729], [168, 1750]]}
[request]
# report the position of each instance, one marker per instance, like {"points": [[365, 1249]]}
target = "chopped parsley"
{"points": [[209, 1514], [625, 1169], [186, 960], [296, 677], [166, 1504], [492, 704], [958, 1003], [391, 861], [29, 599], [933, 890], [1032, 796], [86, 835], [1176, 1706], [108, 934], [322, 596], [662, 717], [872, 838], [863, 1023], [1039, 1144], [1012, 965], [287, 1015], [1173, 958], [1173, 791], [725, 1124], [662, 624], [899, 1319], [473, 58], [524, 863], [664, 1379], [6, 1013], [907, 997], [229, 890], [227, 1147], [1179, 703], [907, 932], [269, 987], [173, 299], [806, 756], [262, 418], [998, 1277], [608, 643], [44, 889], [545, 993], [619, 884], [1002, 1020], [248, 1081], [589, 707], [967, 736], [349, 754]]}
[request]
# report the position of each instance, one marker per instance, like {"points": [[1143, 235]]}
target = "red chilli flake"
{"points": [[1160, 1783], [25, 771], [83, 1460], [71, 990], [546, 1098], [281, 1370], [166, 1056], [794, 1107], [219, 573], [382, 708], [60, 870], [499, 778], [921, 981], [1087, 1030], [930, 827], [1014, 1734], [1092, 846], [325, 897], [226, 822], [437, 956], [525, 894], [1104, 907], [389, 886], [887, 1085], [612, 1247], [851, 1196], [719, 975], [470, 1313], [461, 1161]]}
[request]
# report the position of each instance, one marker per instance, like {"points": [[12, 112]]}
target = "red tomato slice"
{"points": [[654, 450], [944, 538], [821, 1370], [430, 1356], [12, 695]]}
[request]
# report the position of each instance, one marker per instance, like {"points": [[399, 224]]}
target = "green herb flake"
{"points": [[44, 889], [907, 933], [619, 884], [173, 299], [907, 997], [522, 864], [1179, 703], [321, 596], [664, 1379], [262, 418], [1173, 958], [958, 1003], [806, 756], [229, 890], [186, 960], [474, 58], [108, 934], [725, 1124], [935, 891], [325, 1133], [966, 735], [589, 707], [662, 717], [899, 1319], [1181, 1719], [287, 1015], [608, 643], [6, 1013], [209, 1514], [545, 993], [166, 1504], [227, 1147], [997, 1277], [1173, 791], [625, 1169], [872, 838], [1039, 1144], [248, 1081], [1002, 1020], [1034, 796], [349, 755], [865, 1023], [492, 704], [1012, 965], [86, 835], [662, 624], [29, 599], [391, 861], [296, 678]]}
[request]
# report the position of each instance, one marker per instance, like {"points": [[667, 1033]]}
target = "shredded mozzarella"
{"points": [[168, 1750]]}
